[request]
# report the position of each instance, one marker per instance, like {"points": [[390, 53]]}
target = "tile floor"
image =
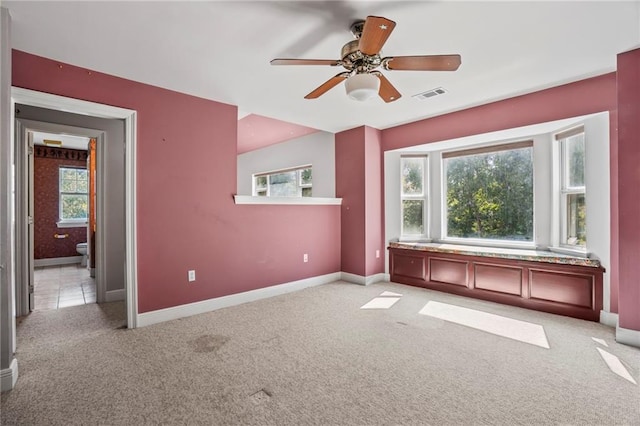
{"points": [[62, 286]]}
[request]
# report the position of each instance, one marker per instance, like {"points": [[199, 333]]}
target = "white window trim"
{"points": [[487, 242], [70, 223], [424, 197], [563, 191]]}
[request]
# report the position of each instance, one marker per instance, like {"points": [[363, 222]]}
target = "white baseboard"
{"points": [[9, 376], [359, 279], [168, 314], [115, 295], [53, 261], [627, 336], [609, 319]]}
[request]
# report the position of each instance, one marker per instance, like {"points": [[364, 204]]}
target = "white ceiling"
{"points": [[221, 50]]}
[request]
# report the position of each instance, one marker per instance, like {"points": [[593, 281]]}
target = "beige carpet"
{"points": [[314, 357]]}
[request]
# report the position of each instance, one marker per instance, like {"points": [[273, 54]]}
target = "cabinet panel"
{"points": [[409, 266], [571, 289], [448, 271], [502, 279]]}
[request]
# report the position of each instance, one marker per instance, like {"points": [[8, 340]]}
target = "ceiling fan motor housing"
{"points": [[354, 59]]}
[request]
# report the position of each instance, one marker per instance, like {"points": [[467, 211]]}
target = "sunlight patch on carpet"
{"points": [[380, 303], [614, 364], [390, 293], [522, 331], [601, 341]]}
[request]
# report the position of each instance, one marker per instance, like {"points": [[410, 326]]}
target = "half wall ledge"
{"points": [[303, 201]]}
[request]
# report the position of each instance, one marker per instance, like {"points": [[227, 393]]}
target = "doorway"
{"points": [[62, 227], [60, 105]]}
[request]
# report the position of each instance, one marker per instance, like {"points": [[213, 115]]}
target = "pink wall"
{"points": [[583, 97], [588, 96], [256, 131], [46, 204], [350, 184], [186, 175], [374, 186], [628, 184], [359, 184]]}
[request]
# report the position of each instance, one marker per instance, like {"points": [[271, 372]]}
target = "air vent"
{"points": [[430, 93]]}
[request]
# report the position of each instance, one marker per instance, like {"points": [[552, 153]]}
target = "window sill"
{"points": [[70, 224], [248, 199], [570, 251]]}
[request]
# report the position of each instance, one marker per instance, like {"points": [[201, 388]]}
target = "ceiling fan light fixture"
{"points": [[362, 87]]}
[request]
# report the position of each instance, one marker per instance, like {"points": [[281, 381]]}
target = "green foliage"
{"points": [[491, 195], [412, 217], [73, 193], [412, 172]]}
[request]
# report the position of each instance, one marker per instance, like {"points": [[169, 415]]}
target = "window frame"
{"points": [[70, 222], [424, 197], [564, 188], [300, 186], [479, 150]]}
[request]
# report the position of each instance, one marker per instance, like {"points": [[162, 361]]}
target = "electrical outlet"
{"points": [[305, 258], [377, 254], [192, 275]]}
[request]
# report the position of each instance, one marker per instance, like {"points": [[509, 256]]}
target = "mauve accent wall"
{"points": [[186, 178], [629, 182], [359, 184], [46, 206], [589, 96]]}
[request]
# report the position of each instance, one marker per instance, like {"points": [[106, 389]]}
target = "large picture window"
{"points": [[489, 192], [413, 196], [572, 189], [73, 191], [296, 182]]}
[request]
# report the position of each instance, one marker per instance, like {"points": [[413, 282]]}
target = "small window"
{"points": [[413, 196], [572, 189], [74, 198], [489, 192], [296, 182]]}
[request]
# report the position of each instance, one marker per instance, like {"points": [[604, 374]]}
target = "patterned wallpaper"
{"points": [[45, 188]]}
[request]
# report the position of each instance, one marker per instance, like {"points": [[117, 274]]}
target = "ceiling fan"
{"points": [[361, 57]]}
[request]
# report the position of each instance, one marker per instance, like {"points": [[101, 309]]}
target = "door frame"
{"points": [[24, 180], [61, 103]]}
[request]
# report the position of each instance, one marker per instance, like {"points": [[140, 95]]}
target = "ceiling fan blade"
{"points": [[332, 62], [327, 85], [387, 91], [422, 63], [375, 33]]}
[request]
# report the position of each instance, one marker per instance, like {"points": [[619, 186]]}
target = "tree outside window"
{"points": [[413, 196], [73, 190], [489, 193], [573, 191]]}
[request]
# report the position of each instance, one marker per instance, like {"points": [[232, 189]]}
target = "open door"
{"points": [[30, 224], [91, 229]]}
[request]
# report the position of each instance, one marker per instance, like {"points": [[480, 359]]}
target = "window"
{"points": [[572, 189], [74, 198], [296, 182], [413, 196], [489, 192]]}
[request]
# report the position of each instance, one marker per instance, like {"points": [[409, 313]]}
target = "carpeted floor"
{"points": [[315, 357]]}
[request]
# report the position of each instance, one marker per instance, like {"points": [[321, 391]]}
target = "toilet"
{"points": [[81, 248]]}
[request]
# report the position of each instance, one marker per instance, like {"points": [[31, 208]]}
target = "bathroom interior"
{"points": [[64, 220]]}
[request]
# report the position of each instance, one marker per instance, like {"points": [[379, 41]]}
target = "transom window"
{"points": [[572, 188], [73, 191], [295, 182], [488, 192], [414, 196]]}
